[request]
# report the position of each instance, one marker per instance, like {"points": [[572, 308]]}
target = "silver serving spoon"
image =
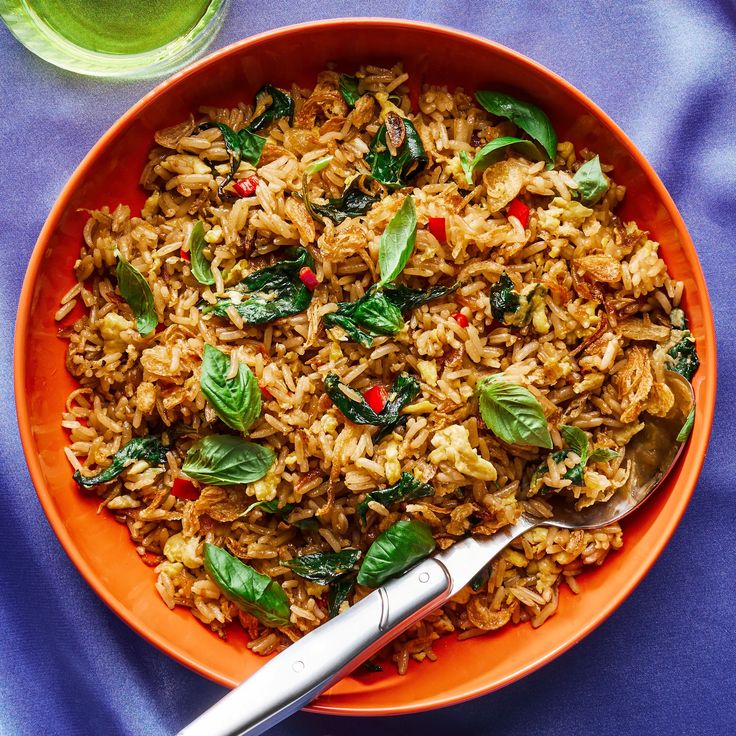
{"points": [[295, 677]]}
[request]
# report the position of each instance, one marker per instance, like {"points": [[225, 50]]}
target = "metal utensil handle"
{"points": [[302, 671]]}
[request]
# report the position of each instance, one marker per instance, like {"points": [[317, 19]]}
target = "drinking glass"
{"points": [[115, 38]]}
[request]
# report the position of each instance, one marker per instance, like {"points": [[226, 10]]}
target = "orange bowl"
{"points": [[101, 549]]}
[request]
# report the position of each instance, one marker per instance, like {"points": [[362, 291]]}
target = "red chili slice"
{"points": [[183, 488], [460, 318], [265, 392], [520, 211], [376, 398], [246, 187], [308, 278], [438, 227], [184, 255]]}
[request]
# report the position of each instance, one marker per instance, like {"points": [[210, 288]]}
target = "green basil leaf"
{"points": [[410, 159], [355, 201], [241, 146], [397, 241], [504, 300], [349, 89], [467, 166], [396, 550], [323, 567], [496, 149], [602, 455], [402, 392], [378, 315], [576, 440], [280, 106], [237, 401], [407, 488], [151, 449], [201, 269], [269, 293], [340, 591], [530, 118], [226, 460], [247, 588], [512, 413], [684, 356], [592, 182], [135, 290], [684, 433]]}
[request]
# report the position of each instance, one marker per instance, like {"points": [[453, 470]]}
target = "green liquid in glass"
{"points": [[120, 26]]}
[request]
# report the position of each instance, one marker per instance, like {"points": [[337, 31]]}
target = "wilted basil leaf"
{"points": [[481, 578], [410, 159], [355, 201], [151, 449], [349, 89], [243, 145], [237, 400], [684, 433], [407, 488], [380, 310], [397, 241], [340, 590], [396, 550], [404, 390], [269, 293], [135, 290], [323, 567], [684, 356], [201, 269], [247, 588], [512, 413], [504, 299], [226, 460], [530, 118], [592, 182], [280, 106], [495, 150], [577, 441]]}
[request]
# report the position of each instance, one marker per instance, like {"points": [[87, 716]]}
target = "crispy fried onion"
{"points": [[634, 383], [588, 341], [643, 329], [222, 504], [395, 132], [603, 268], [328, 102], [297, 213], [503, 181], [481, 615]]}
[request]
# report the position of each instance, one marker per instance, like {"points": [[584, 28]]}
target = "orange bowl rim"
{"points": [[699, 438]]}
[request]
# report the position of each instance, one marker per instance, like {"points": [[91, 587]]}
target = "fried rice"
{"points": [[593, 355]]}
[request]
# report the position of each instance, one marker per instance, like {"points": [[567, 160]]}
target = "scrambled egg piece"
{"points": [[265, 488], [382, 98], [453, 446], [180, 549], [110, 328], [428, 371], [392, 467]]}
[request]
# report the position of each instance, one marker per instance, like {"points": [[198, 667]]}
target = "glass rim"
{"points": [[51, 46]]}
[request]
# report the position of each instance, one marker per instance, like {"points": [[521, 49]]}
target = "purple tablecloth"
{"points": [[664, 662]]}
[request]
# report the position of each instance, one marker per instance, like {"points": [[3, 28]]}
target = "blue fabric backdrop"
{"points": [[664, 662]]}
